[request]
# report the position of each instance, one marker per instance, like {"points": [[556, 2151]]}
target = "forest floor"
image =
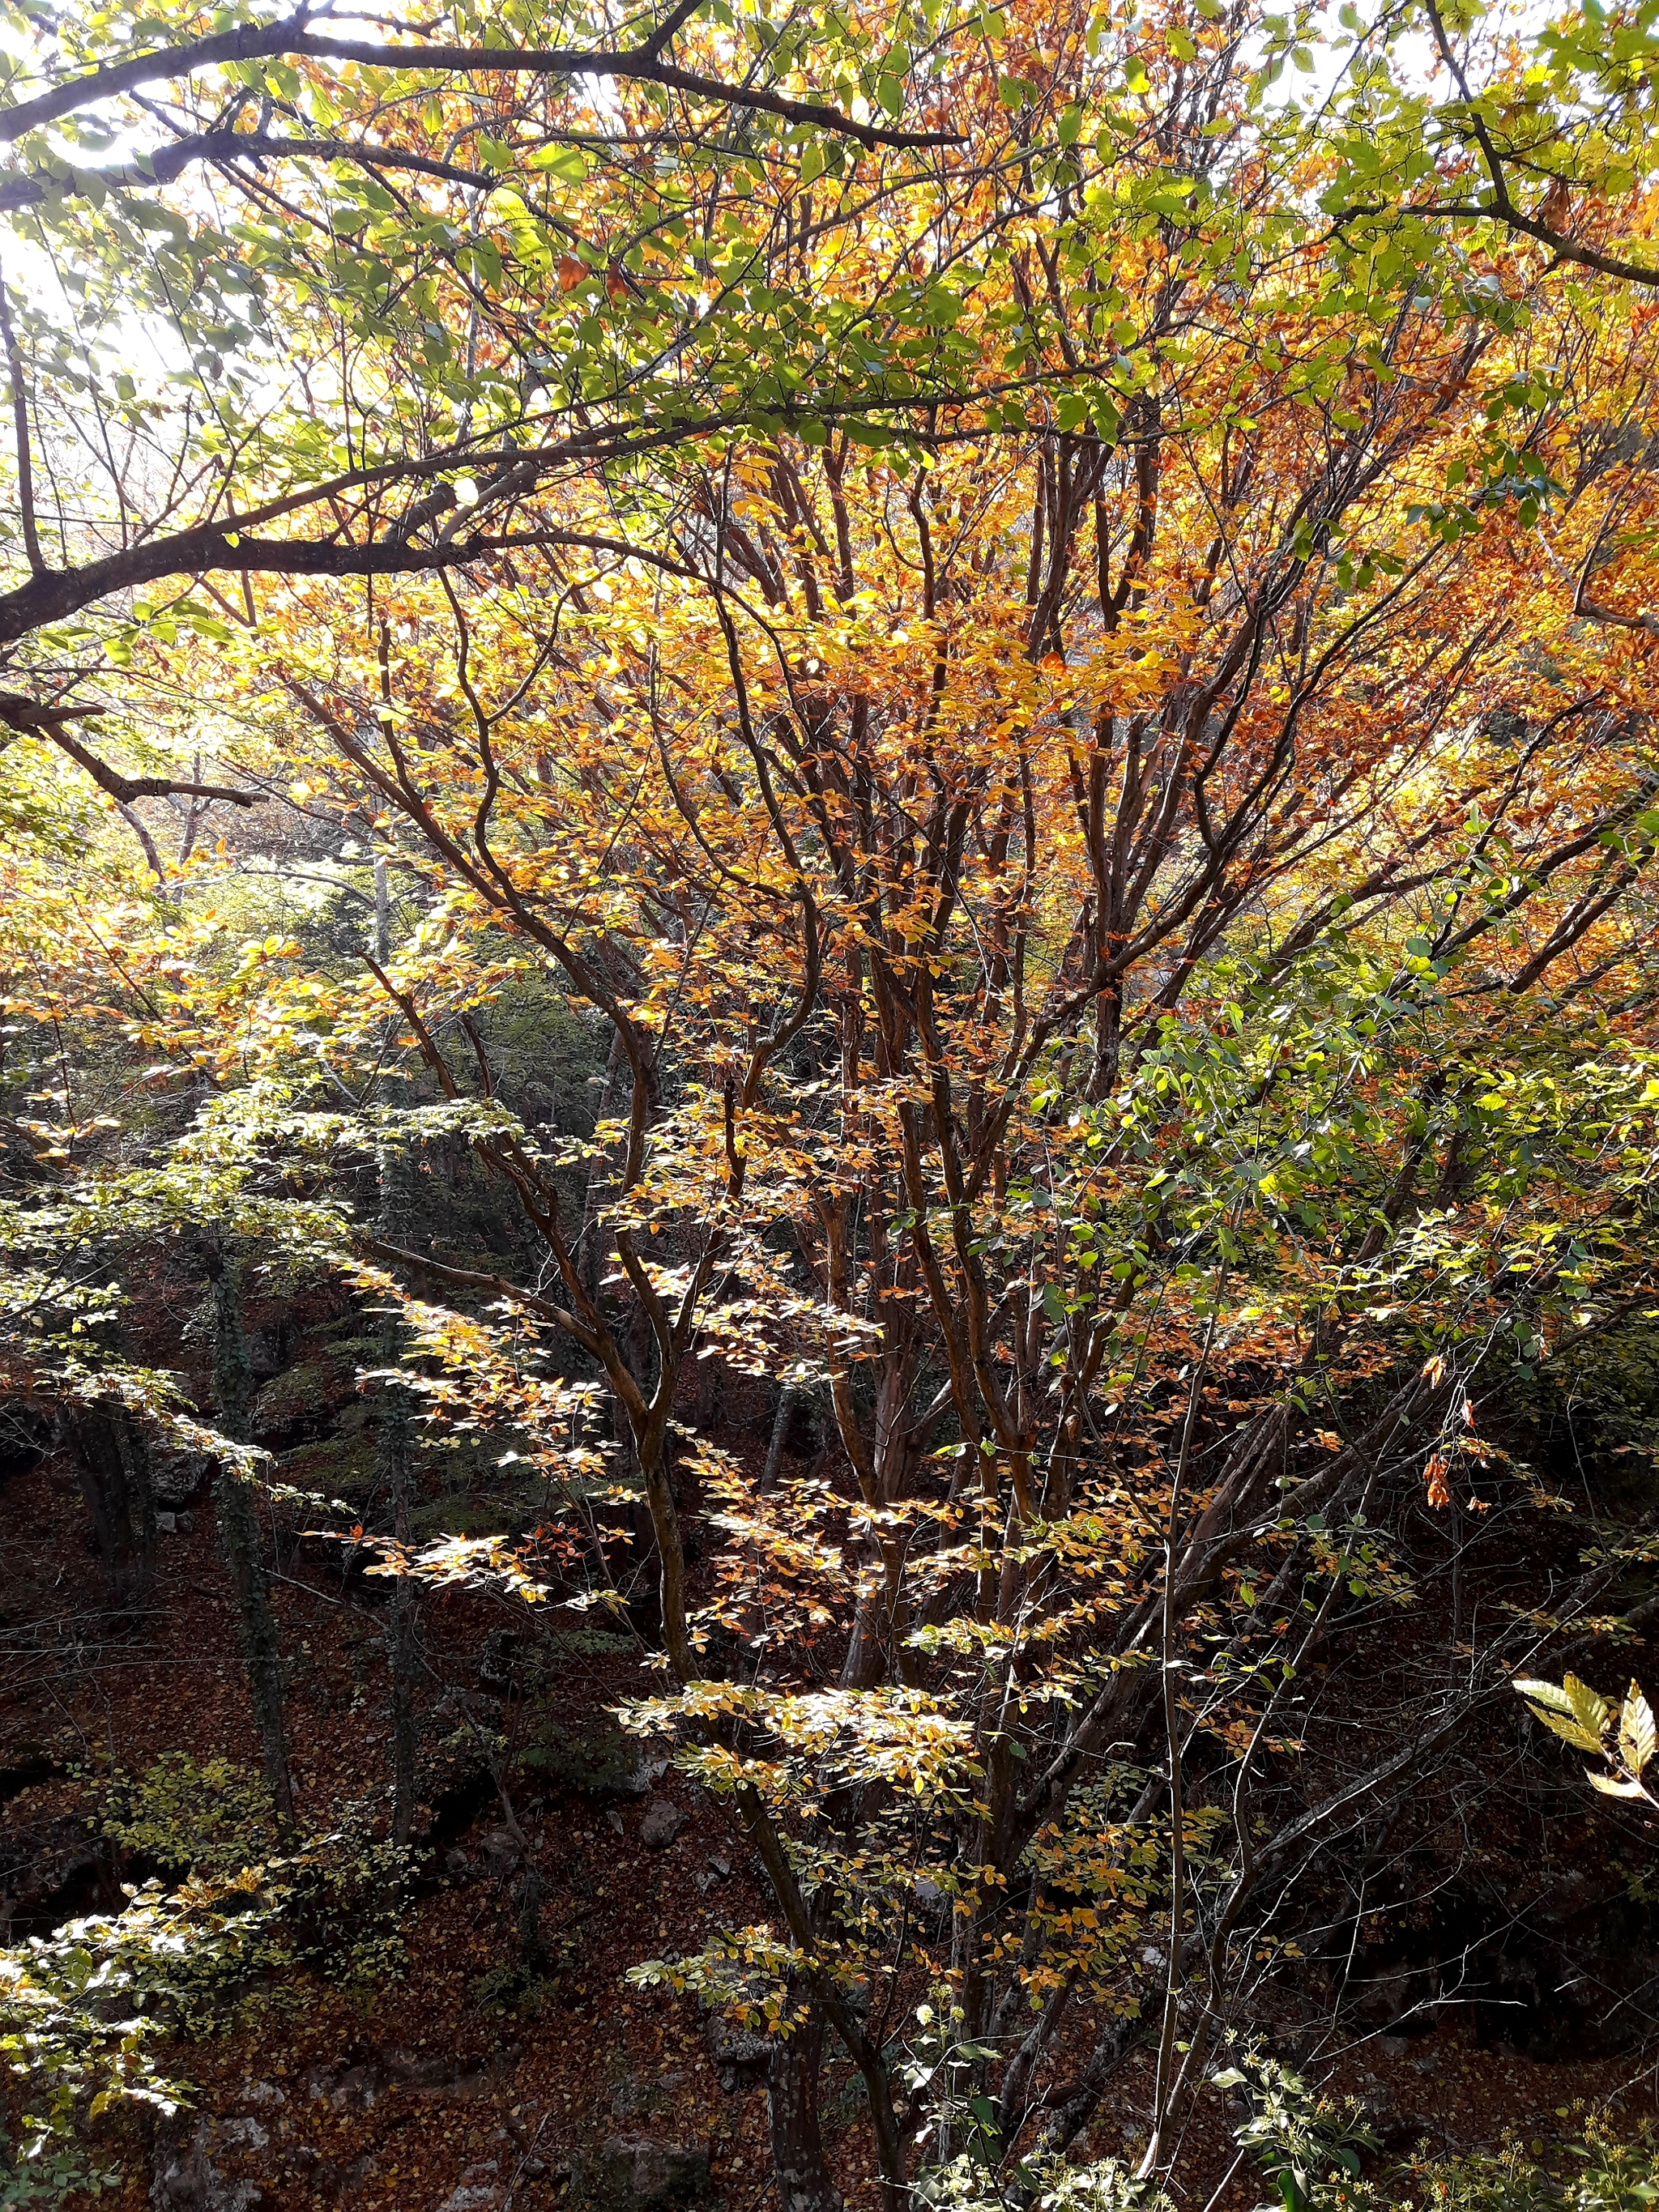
{"points": [[415, 2093]]}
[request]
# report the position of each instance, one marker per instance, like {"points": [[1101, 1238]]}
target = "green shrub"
{"points": [[334, 1901], [343, 1896], [1604, 2174], [210, 1820], [81, 2009], [596, 1762]]}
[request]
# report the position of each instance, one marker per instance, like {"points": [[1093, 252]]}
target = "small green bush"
{"points": [[343, 1896], [595, 1762], [335, 1901], [1604, 2174], [212, 1819]]}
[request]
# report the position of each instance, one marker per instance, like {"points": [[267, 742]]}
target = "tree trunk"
{"points": [[113, 1463], [598, 1177], [400, 1624], [140, 1503], [262, 1658], [397, 1226], [239, 1534], [788, 1398], [792, 2114]]}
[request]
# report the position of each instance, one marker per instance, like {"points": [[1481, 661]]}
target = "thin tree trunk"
{"points": [[140, 1503], [788, 1398], [396, 1225], [598, 1176], [395, 1454], [238, 1535], [239, 1538]]}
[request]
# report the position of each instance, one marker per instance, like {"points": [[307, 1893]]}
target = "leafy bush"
{"points": [[1307, 2144], [79, 2010], [1611, 2176], [1309, 2147], [1043, 2184], [212, 1819], [595, 1762], [335, 1900], [342, 1895]]}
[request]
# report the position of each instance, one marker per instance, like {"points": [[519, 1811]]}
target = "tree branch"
{"points": [[167, 162], [290, 40], [37, 721]]}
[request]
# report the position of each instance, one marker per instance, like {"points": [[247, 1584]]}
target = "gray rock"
{"points": [[932, 1904], [480, 2188], [347, 2088], [662, 1822], [739, 2056], [718, 1869], [176, 1476], [264, 1353], [184, 2179], [331, 2180], [240, 2132], [358, 2087], [636, 2173], [502, 1851]]}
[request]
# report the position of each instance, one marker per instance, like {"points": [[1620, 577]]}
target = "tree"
{"points": [[1101, 804], [1077, 1003], [238, 1532]]}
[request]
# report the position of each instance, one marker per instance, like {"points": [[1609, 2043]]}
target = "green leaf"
{"points": [[565, 163], [1573, 1712], [1593, 1712]]}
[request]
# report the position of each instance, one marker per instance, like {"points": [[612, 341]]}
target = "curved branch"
{"points": [[167, 162], [36, 721], [290, 40]]}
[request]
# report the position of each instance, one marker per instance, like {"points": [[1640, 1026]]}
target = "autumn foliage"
{"points": [[1063, 686]]}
